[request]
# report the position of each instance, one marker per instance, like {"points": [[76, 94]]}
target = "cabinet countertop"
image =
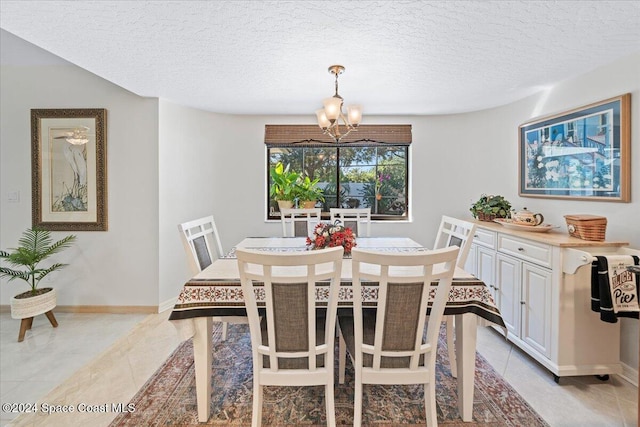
{"points": [[556, 237]]}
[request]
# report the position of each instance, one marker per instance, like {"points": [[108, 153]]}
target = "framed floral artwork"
{"points": [[69, 169], [578, 154]]}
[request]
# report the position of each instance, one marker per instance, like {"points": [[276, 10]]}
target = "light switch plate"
{"points": [[13, 197]]}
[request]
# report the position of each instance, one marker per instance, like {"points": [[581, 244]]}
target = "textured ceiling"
{"points": [[271, 57]]}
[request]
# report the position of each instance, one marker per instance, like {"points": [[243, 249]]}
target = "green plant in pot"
{"points": [[35, 246], [308, 192], [283, 184], [489, 207]]}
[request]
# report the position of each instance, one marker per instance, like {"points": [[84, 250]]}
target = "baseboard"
{"points": [[630, 374], [168, 304], [107, 309]]}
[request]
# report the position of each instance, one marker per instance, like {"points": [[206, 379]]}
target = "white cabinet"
{"points": [[508, 288], [525, 302], [546, 310], [535, 305], [486, 260], [471, 265], [481, 260]]}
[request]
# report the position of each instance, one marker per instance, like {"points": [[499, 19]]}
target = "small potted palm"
{"points": [[35, 246]]}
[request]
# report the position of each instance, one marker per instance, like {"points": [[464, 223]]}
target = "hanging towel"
{"points": [[614, 289]]}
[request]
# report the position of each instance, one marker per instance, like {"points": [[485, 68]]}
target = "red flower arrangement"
{"points": [[327, 235]]}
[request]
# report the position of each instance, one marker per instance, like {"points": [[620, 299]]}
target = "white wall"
{"points": [[118, 267], [190, 184], [455, 158], [169, 163]]}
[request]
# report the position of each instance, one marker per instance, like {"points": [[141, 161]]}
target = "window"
{"points": [[357, 173]]}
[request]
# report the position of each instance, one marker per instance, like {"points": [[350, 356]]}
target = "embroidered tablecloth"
{"points": [[217, 291]]}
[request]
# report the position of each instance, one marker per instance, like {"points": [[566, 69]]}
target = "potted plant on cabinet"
{"points": [[488, 208], [308, 193], [34, 246], [283, 184]]}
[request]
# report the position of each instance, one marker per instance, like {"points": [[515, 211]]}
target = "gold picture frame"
{"points": [[581, 154], [69, 169]]}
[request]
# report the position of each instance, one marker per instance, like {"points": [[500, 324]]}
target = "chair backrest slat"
{"points": [[359, 220], [455, 232], [404, 284], [299, 222], [200, 239], [289, 282]]}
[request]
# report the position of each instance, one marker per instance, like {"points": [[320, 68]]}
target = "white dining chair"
{"points": [[387, 343], [292, 343], [299, 222], [202, 245], [359, 220], [454, 232]]}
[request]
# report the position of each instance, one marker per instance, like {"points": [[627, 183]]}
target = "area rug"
{"points": [[169, 397]]}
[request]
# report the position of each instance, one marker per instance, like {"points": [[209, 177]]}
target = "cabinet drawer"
{"points": [[485, 238], [538, 253]]}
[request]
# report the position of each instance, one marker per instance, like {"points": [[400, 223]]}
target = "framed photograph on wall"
{"points": [[579, 154], [69, 169]]}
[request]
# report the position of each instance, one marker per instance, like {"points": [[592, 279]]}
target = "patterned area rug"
{"points": [[169, 397]]}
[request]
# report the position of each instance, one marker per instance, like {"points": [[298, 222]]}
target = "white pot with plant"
{"points": [[35, 246]]}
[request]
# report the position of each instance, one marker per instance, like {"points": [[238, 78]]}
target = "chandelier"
{"points": [[330, 116]]}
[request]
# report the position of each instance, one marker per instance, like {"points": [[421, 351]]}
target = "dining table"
{"points": [[216, 291]]}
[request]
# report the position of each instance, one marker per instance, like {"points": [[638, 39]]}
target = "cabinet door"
{"points": [[486, 259], [470, 265], [508, 273], [536, 311]]}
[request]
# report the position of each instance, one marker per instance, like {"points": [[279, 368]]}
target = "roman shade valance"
{"points": [[311, 135]]}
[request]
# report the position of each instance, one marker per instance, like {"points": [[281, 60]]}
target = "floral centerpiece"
{"points": [[326, 235]]}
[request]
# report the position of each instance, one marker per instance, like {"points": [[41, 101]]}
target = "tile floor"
{"points": [[583, 401], [102, 359]]}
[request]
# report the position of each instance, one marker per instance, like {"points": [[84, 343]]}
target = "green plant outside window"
{"points": [[349, 177]]}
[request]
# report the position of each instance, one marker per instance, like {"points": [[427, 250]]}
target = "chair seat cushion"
{"points": [[347, 327]]}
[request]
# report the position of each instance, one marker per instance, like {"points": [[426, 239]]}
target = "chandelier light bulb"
{"points": [[332, 108], [354, 114], [323, 122]]}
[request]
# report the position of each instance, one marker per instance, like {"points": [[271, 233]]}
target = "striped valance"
{"points": [[304, 135]]}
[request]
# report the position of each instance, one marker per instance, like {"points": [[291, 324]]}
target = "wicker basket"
{"points": [[587, 227]]}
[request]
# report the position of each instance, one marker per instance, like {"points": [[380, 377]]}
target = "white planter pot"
{"points": [[23, 308]]}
